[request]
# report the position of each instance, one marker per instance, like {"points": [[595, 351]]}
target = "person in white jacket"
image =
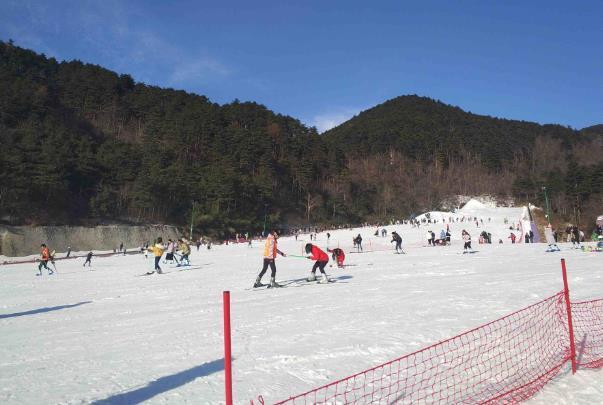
{"points": [[550, 239], [467, 240]]}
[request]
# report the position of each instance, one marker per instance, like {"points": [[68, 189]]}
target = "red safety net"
{"points": [[507, 360], [587, 317]]}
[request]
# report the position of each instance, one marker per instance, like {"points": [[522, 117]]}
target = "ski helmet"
{"points": [[308, 247]]}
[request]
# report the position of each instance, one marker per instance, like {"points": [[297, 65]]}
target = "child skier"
{"points": [[44, 258], [512, 237], [270, 252], [398, 239], [467, 240], [185, 251], [88, 259], [338, 255], [321, 259], [157, 250], [171, 249], [358, 243], [550, 239]]}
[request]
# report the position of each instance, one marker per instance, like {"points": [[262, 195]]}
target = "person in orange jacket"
{"points": [[270, 252], [321, 259], [44, 258]]}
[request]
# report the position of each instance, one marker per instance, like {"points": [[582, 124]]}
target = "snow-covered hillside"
{"points": [[109, 335]]}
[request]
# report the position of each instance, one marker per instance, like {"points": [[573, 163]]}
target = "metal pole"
{"points": [[548, 207], [569, 318], [227, 349], [192, 220], [264, 232]]}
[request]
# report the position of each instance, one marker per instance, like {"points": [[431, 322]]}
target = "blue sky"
{"points": [[324, 61]]}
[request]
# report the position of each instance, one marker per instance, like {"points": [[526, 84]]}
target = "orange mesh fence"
{"points": [[588, 333], [507, 360]]}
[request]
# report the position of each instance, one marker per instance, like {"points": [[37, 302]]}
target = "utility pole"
{"points": [[192, 220], [265, 206], [548, 207], [577, 207]]}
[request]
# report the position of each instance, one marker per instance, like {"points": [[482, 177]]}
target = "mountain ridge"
{"points": [[85, 144]]}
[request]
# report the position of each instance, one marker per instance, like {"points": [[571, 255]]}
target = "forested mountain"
{"points": [[595, 129], [82, 144], [424, 151], [422, 128]]}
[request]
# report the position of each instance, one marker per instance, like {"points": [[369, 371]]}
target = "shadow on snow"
{"points": [[163, 384], [42, 310]]}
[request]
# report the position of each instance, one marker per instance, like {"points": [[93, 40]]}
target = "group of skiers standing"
{"points": [[172, 247], [314, 253]]}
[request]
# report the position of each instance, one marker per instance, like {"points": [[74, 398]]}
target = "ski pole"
{"points": [[298, 256]]}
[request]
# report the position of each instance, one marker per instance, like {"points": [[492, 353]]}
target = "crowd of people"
{"points": [[178, 251]]}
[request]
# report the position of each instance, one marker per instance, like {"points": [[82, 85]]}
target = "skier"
{"points": [[185, 251], [52, 255], [467, 240], [512, 237], [358, 243], [321, 260], [398, 239], [429, 238], [157, 250], [338, 255], [575, 237], [383, 233], [433, 243], [44, 258], [171, 249], [121, 246], [68, 251], [88, 259], [448, 236], [550, 239], [270, 252]]}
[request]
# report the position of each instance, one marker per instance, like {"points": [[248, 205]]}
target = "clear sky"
{"points": [[324, 61]]}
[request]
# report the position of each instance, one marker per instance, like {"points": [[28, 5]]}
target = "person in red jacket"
{"points": [[338, 255], [321, 259]]}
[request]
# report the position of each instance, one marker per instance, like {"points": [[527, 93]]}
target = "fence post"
{"points": [[227, 352], [569, 318]]}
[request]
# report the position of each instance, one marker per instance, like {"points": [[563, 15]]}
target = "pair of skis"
{"points": [[180, 268], [292, 283]]}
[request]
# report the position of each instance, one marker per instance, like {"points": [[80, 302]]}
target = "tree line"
{"points": [[84, 145]]}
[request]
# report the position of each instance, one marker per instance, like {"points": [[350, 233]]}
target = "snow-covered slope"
{"points": [[108, 335]]}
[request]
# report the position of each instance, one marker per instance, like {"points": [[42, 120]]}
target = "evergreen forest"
{"points": [[84, 145]]}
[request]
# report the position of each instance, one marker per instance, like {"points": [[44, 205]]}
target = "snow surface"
{"points": [[108, 335]]}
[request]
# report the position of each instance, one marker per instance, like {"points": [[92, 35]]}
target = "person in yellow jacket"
{"points": [[185, 251], [270, 252], [157, 250]]}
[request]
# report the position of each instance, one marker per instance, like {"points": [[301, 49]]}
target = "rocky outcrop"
{"points": [[26, 240]]}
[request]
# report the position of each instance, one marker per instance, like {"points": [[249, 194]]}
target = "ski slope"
{"points": [[108, 335]]}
